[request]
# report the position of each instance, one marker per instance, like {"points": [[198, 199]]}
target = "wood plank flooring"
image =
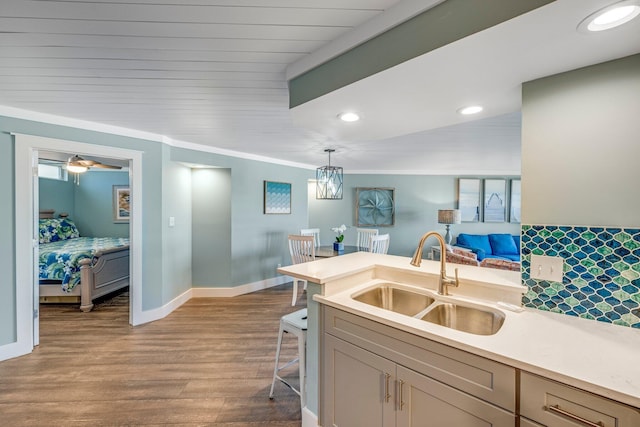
{"points": [[209, 363]]}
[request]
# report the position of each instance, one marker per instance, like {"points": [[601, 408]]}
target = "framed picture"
{"points": [[121, 203], [514, 201], [495, 200], [375, 207], [277, 197], [469, 192]]}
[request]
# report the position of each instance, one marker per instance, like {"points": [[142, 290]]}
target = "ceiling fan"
{"points": [[77, 164]]}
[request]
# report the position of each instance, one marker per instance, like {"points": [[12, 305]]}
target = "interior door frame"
{"points": [[26, 147]]}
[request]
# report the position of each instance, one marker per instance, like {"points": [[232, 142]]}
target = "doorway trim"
{"points": [[26, 146]]}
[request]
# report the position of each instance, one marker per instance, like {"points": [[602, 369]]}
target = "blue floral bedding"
{"points": [[60, 260], [56, 229]]}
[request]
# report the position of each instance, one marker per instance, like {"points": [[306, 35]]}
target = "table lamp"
{"points": [[448, 217]]}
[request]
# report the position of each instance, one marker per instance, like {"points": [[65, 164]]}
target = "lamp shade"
{"points": [[449, 216]]}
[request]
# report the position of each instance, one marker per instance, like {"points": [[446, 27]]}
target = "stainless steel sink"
{"points": [[467, 319], [396, 299]]}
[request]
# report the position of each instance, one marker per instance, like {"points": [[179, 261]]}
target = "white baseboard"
{"points": [[12, 350], [309, 419], [161, 312], [234, 291]]}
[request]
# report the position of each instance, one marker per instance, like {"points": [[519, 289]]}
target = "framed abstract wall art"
{"points": [[495, 200], [277, 197], [469, 192], [514, 200], [121, 203]]}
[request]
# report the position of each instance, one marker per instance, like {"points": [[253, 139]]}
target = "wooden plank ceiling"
{"points": [[203, 71]]}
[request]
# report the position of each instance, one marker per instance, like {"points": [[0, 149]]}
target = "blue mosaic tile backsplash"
{"points": [[601, 278]]}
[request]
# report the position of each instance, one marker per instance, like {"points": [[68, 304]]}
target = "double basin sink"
{"points": [[462, 317]]}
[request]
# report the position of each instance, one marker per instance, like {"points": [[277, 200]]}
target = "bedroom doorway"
{"points": [[27, 148], [78, 218]]}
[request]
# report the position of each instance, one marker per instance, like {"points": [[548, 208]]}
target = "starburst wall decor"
{"points": [[375, 207]]}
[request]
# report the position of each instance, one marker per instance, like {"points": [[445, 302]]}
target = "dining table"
{"points": [[328, 251]]}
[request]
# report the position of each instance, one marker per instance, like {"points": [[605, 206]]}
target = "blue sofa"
{"points": [[499, 246]]}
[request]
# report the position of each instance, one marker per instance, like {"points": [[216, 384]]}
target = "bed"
{"points": [[73, 268]]}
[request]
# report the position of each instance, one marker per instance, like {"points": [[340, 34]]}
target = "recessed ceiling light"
{"points": [[349, 117], [472, 109], [611, 16]]}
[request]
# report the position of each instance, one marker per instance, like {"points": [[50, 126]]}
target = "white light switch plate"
{"points": [[172, 221], [546, 268]]}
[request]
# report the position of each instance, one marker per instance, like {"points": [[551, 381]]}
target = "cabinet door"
{"points": [[358, 387], [425, 402]]}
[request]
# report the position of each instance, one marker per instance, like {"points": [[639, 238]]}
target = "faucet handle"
{"points": [[455, 273]]}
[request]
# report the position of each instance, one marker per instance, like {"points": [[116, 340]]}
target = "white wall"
{"points": [[581, 146]]}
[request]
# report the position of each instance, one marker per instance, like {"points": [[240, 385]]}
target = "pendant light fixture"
{"points": [[329, 180]]}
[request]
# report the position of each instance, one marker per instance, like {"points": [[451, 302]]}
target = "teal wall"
{"points": [[7, 245], [94, 204], [176, 204], [258, 242], [57, 195], [212, 222], [417, 200]]}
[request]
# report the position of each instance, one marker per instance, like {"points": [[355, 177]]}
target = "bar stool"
{"points": [[296, 324]]}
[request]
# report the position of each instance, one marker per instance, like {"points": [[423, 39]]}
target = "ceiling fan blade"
{"points": [[76, 161], [103, 166], [80, 162]]}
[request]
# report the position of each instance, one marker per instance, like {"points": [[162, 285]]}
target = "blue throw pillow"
{"points": [[503, 244], [478, 241], [516, 240]]}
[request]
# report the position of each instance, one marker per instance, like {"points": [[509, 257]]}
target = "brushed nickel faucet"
{"points": [[444, 281]]}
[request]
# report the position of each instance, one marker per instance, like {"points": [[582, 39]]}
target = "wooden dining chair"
{"points": [[379, 244], [302, 249], [364, 237], [315, 232]]}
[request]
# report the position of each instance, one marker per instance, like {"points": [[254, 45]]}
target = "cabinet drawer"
{"points": [[488, 380], [554, 404]]}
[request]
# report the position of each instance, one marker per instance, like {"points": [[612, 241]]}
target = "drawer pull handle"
{"points": [[387, 395], [401, 397], [558, 410]]}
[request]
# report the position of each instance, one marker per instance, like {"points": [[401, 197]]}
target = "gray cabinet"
{"points": [[366, 390], [373, 375], [554, 404], [376, 375]]}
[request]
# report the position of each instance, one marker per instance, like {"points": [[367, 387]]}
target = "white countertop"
{"points": [[594, 356]]}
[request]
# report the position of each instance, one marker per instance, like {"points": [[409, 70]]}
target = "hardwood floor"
{"points": [[210, 362]]}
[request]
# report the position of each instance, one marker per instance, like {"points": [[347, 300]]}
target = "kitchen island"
{"points": [[591, 356]]}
